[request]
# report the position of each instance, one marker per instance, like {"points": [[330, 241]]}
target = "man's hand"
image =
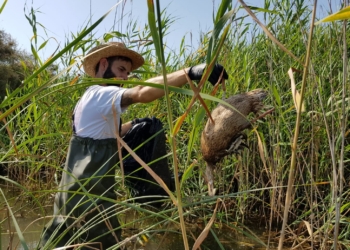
{"points": [[196, 73]]}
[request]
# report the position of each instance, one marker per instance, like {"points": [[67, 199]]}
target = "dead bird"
{"points": [[225, 136]]}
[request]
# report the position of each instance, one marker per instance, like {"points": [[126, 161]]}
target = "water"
{"points": [[230, 239], [165, 241], [30, 235], [31, 222]]}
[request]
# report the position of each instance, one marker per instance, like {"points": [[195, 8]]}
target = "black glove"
{"points": [[139, 120], [196, 73]]}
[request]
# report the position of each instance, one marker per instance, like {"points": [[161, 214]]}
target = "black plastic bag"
{"points": [[137, 178]]}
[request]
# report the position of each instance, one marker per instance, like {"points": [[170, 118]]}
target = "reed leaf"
{"points": [[188, 173], [342, 14], [3, 6], [295, 92]]}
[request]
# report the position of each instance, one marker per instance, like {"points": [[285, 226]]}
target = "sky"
{"points": [[60, 17]]}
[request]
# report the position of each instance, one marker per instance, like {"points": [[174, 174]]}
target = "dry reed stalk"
{"points": [[291, 177]]}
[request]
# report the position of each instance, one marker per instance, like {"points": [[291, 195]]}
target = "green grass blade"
{"points": [[153, 28], [213, 47], [3, 6], [187, 174], [224, 6]]}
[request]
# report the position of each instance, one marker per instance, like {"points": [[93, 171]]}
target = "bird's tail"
{"points": [[257, 96], [260, 94]]}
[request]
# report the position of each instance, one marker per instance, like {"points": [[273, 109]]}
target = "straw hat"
{"points": [[108, 50]]}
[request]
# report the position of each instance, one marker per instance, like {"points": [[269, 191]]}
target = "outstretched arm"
{"points": [[145, 94]]}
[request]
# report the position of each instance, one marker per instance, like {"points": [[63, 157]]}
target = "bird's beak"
{"points": [[210, 178], [211, 189]]}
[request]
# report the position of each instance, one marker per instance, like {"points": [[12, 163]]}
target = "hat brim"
{"points": [[109, 50]]}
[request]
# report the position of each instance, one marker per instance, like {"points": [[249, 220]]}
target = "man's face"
{"points": [[119, 69]]}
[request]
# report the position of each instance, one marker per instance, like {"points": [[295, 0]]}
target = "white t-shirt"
{"points": [[93, 114]]}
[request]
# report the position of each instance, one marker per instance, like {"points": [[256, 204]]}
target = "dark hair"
{"points": [[111, 59]]}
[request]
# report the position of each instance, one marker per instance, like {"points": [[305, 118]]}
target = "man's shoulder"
{"points": [[100, 90], [103, 95], [93, 88]]}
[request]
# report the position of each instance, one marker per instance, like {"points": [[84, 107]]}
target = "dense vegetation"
{"points": [[11, 64], [36, 124]]}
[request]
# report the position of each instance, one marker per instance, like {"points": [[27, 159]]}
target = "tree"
{"points": [[12, 71]]}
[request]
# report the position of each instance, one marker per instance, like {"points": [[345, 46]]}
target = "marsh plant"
{"points": [[295, 175]]}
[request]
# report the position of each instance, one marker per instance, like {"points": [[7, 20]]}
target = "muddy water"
{"points": [[164, 241], [230, 239], [31, 222]]}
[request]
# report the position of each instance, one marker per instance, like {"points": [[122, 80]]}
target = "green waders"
{"points": [[84, 209]]}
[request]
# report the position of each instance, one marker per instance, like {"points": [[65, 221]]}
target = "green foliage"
{"points": [[37, 127], [12, 61]]}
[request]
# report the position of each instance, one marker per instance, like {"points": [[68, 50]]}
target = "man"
{"points": [[84, 209]]}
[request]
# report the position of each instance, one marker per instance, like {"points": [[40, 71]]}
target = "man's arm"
{"points": [[145, 94], [125, 128]]}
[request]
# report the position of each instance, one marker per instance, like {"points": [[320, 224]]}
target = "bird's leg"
{"points": [[263, 115], [237, 144], [210, 179]]}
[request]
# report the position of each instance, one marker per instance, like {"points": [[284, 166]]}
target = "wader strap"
{"points": [[73, 125], [120, 126]]}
